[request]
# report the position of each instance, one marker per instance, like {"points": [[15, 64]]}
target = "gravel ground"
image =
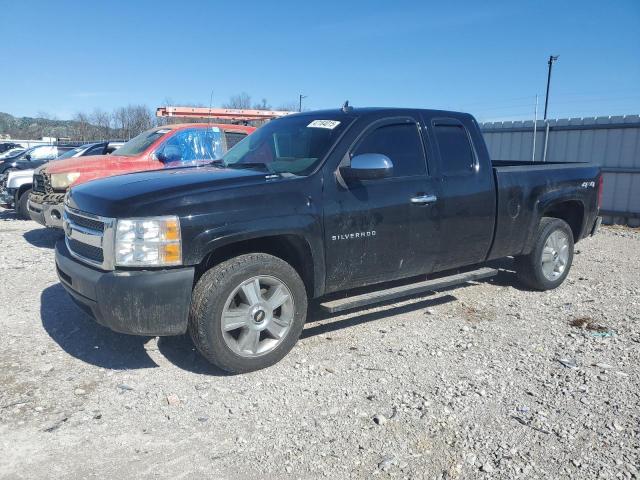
{"points": [[485, 381]]}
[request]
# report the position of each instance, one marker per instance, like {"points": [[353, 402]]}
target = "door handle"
{"points": [[424, 199]]}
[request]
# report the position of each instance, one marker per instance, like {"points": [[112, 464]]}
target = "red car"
{"points": [[160, 147]]}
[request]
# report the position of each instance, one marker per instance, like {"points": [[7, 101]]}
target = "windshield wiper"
{"points": [[262, 165], [218, 162]]}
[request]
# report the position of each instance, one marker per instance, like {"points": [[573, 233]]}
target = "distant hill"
{"points": [[35, 128]]}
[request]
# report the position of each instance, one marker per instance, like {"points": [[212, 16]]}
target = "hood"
{"points": [[27, 164], [157, 192], [91, 163], [98, 166]]}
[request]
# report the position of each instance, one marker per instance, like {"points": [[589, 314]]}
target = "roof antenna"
{"points": [[210, 118], [210, 105], [346, 108]]}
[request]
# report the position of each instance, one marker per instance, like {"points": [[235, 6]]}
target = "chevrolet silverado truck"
{"points": [[315, 205], [160, 147]]}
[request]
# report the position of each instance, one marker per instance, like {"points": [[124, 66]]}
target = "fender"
{"points": [[18, 178], [306, 227], [546, 201]]}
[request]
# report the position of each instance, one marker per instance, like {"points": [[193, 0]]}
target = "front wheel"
{"points": [[550, 260], [247, 312], [21, 205]]}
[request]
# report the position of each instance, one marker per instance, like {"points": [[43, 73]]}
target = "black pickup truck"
{"points": [[308, 205]]}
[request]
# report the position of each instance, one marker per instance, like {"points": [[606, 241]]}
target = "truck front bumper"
{"points": [[47, 214], [137, 302]]}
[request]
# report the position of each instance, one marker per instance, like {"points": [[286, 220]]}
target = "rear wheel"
{"points": [[248, 312], [550, 260], [21, 205]]}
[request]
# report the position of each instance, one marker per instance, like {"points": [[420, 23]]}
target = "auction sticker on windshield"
{"points": [[330, 124]]}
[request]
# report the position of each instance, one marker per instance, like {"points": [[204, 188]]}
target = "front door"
{"points": [[378, 230]]}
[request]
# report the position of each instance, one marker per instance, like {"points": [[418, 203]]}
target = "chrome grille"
{"points": [[89, 238], [87, 251], [42, 183], [38, 183], [86, 222]]}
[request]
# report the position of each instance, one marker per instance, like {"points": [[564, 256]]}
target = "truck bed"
{"points": [[519, 163], [526, 190]]}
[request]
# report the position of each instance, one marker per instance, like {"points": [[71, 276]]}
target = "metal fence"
{"points": [[610, 142]]}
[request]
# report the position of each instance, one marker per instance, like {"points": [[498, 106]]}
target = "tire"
{"points": [[21, 205], [530, 268], [213, 295]]}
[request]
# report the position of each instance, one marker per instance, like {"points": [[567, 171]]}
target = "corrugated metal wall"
{"points": [[611, 142]]}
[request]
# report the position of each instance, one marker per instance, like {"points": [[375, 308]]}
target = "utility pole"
{"points": [[535, 132], [552, 58], [300, 97]]}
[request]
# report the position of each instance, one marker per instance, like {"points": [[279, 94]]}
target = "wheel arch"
{"points": [[23, 188], [558, 204], [292, 248], [571, 211]]}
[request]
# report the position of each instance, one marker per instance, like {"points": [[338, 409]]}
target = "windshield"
{"points": [[25, 153], [287, 145], [139, 144], [12, 152], [191, 146], [70, 153]]}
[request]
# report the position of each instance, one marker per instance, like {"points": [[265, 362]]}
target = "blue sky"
{"points": [[485, 57]]}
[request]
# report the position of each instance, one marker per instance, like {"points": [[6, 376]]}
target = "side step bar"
{"points": [[378, 296]]}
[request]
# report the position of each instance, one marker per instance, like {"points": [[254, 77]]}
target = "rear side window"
{"points": [[68, 153], [456, 153], [232, 138], [97, 150], [401, 143]]}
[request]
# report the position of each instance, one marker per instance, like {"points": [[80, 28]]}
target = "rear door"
{"points": [[375, 230], [467, 201]]}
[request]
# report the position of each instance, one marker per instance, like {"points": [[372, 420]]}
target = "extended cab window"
{"points": [[456, 153], [294, 145], [69, 153], [97, 150], [401, 143]]}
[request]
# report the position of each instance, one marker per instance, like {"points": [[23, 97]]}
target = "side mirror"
{"points": [[368, 166], [27, 157], [168, 154], [159, 156]]}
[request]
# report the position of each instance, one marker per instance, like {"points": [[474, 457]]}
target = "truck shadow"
{"points": [[8, 214], [181, 351], [83, 338], [507, 276], [43, 237]]}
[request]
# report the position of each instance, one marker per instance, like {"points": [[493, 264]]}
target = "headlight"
{"points": [[153, 241], [60, 181]]}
